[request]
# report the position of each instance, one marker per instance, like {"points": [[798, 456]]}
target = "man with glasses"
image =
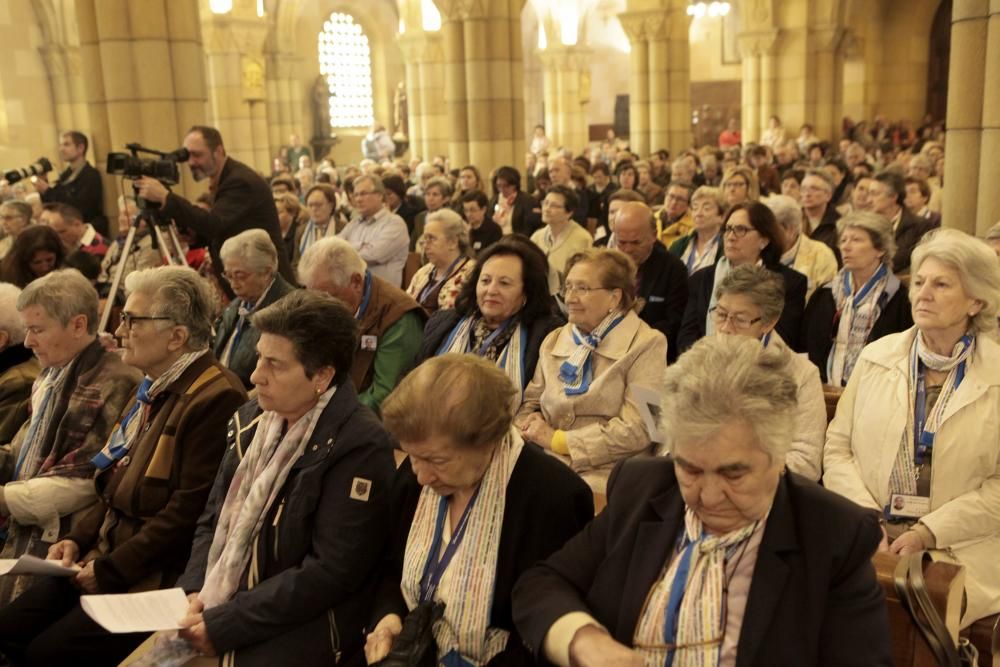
{"points": [[821, 215], [380, 237], [675, 216], [561, 237]]}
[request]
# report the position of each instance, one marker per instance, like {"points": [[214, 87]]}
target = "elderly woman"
{"points": [[702, 248], [508, 503], [503, 312], [926, 400], [320, 202], [437, 194], [153, 476], [740, 186], [863, 303], [748, 303], [811, 258], [578, 406], [751, 235], [14, 217], [714, 550], [283, 566], [18, 366], [251, 262], [37, 251], [446, 245]]}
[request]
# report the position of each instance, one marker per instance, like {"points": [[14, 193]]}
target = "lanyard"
{"points": [[431, 285], [367, 296], [924, 440], [434, 569], [677, 589], [863, 292]]}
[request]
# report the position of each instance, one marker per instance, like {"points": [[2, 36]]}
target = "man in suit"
{"points": [[715, 555], [888, 194], [241, 200], [79, 185], [661, 280]]}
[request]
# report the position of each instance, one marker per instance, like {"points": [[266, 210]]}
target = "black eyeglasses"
{"points": [[127, 319]]}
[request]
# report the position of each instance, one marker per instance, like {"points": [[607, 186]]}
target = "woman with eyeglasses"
{"points": [[320, 204], [740, 185], [749, 302], [750, 235], [702, 247], [578, 406]]}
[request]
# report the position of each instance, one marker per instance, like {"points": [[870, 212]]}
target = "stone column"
{"points": [[760, 81], [988, 204], [566, 94], [143, 67], [283, 120], [825, 81], [966, 88], [456, 101]]}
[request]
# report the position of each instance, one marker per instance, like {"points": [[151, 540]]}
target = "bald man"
{"points": [[661, 283]]}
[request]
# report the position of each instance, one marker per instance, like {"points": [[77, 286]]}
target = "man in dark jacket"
{"points": [[241, 200], [888, 192], [79, 185], [661, 281]]}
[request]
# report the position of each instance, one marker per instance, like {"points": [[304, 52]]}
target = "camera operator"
{"points": [[79, 185], [241, 200]]}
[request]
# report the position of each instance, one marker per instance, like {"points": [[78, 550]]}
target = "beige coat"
{"points": [[602, 426], [864, 437], [816, 262]]}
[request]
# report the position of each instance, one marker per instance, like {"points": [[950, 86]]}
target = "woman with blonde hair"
{"points": [[740, 186]]}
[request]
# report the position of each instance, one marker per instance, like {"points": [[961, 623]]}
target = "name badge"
{"points": [[369, 343], [904, 506]]}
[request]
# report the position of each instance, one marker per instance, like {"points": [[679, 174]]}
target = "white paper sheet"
{"points": [[648, 402], [33, 565], [137, 612]]}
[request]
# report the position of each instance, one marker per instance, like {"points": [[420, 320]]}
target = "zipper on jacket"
{"points": [[334, 636], [274, 524]]}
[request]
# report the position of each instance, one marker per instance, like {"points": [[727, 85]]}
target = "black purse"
{"points": [[414, 645]]}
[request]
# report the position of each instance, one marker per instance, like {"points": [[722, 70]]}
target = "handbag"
{"points": [[414, 645], [908, 578]]}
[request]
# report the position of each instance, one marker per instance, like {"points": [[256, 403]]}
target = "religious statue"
{"points": [[321, 108], [400, 112]]}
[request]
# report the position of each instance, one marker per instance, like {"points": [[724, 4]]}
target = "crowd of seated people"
{"points": [[499, 341]]}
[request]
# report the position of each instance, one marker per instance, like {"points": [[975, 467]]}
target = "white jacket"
{"points": [[806, 454], [863, 440]]}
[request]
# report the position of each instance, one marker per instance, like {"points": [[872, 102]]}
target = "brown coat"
{"points": [[141, 532], [18, 370], [386, 306]]}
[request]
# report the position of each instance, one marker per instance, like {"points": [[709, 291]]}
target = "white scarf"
{"points": [[468, 584]]}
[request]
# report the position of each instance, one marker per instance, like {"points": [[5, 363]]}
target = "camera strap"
{"points": [[434, 569]]}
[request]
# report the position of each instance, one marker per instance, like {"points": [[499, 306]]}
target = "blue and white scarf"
{"points": [[858, 308], [577, 371]]}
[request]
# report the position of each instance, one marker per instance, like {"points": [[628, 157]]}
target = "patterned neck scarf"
{"points": [[254, 488], [686, 607], [313, 233], [858, 308], [577, 371], [124, 435], [504, 345], [45, 394], [917, 442], [463, 635]]}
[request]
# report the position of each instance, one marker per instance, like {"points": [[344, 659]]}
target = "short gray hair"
{"points": [[821, 175], [63, 295], [452, 225], [765, 288], [879, 228], [786, 211], [442, 184], [712, 194], [178, 292], [20, 209], [377, 184], [731, 378], [977, 267], [10, 321], [254, 247], [335, 256]]}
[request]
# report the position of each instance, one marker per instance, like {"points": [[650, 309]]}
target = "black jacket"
{"points": [[243, 201], [814, 598], [819, 329], [84, 193], [910, 230], [663, 285], [826, 231], [318, 550], [442, 322], [523, 219], [243, 359], [546, 505], [700, 295]]}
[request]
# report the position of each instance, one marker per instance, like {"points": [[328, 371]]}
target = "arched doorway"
{"points": [[937, 64]]}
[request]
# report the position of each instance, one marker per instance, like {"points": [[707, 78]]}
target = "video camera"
{"points": [[163, 167], [40, 166]]}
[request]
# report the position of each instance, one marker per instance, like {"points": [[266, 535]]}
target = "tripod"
{"points": [[168, 243]]}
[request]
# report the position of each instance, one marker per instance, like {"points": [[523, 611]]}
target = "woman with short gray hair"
{"points": [[685, 565], [916, 438], [749, 302], [251, 262], [703, 246], [446, 246], [18, 366], [864, 302]]}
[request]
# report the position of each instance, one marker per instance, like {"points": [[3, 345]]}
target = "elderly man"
{"points": [[74, 233], [888, 192], [380, 237], [79, 185], [674, 219], [816, 193], [47, 470], [561, 173], [661, 286], [391, 322], [561, 238]]}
